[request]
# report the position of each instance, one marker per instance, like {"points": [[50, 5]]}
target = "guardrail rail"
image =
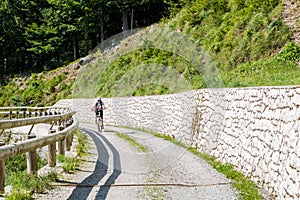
{"points": [[62, 125]]}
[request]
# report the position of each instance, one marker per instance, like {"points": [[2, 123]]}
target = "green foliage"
{"points": [[234, 32], [18, 164], [69, 163], [19, 194], [247, 188], [37, 90], [49, 32], [135, 71], [82, 147], [290, 52], [272, 71], [242, 37], [24, 186]]}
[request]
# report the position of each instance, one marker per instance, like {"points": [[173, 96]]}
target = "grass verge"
{"points": [[69, 164], [132, 142], [149, 192], [24, 186]]}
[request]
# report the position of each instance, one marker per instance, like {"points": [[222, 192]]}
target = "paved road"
{"points": [[116, 169]]}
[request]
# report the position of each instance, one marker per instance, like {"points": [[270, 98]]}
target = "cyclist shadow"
{"points": [[100, 170]]}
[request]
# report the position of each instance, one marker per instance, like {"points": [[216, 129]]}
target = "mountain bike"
{"points": [[99, 123]]}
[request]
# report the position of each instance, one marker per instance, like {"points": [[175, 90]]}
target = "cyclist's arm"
{"points": [[94, 107]]}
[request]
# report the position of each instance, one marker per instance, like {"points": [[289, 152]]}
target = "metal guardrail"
{"points": [[11, 117]]}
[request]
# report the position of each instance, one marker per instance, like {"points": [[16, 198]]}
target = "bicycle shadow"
{"points": [[100, 170]]}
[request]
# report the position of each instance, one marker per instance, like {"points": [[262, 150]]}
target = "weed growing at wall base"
{"points": [[247, 189]]}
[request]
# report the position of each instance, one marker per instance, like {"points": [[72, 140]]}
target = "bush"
{"points": [[290, 52]]}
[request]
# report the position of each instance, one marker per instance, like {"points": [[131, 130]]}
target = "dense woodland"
{"points": [[43, 35]]}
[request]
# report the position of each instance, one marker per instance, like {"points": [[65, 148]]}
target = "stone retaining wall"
{"points": [[255, 129]]}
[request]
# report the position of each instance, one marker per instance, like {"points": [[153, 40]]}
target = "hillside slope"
{"points": [[291, 16], [251, 43]]}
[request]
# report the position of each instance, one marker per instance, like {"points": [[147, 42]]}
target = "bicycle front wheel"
{"points": [[99, 124]]}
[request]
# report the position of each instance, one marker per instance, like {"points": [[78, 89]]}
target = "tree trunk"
{"points": [[125, 21], [101, 25], [131, 27], [29, 60], [75, 47], [86, 43], [102, 32]]}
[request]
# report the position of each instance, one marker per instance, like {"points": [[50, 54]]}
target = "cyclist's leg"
{"points": [[101, 115], [96, 115]]}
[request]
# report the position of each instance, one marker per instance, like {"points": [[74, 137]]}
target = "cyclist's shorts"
{"points": [[99, 112]]}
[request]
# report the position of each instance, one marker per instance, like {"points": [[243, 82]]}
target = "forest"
{"points": [[38, 36]]}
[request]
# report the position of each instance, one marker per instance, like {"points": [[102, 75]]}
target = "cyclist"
{"points": [[98, 108]]}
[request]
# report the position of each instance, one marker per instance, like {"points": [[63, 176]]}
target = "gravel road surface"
{"points": [[116, 169]]}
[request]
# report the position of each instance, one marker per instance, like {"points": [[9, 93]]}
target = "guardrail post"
{"points": [[31, 159], [52, 152], [2, 172], [61, 144], [69, 139]]}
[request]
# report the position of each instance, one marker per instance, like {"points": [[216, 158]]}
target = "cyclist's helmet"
{"points": [[98, 98]]}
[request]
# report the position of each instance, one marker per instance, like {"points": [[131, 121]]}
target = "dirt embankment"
{"points": [[291, 16]]}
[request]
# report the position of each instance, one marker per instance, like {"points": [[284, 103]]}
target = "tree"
{"points": [[38, 35], [128, 6]]}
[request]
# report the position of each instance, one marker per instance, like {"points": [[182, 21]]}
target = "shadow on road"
{"points": [[100, 170]]}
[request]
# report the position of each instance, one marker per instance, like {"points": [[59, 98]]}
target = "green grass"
{"points": [[82, 147], [18, 164], [41, 89], [70, 164], [270, 72], [247, 189], [247, 41], [25, 186], [133, 142]]}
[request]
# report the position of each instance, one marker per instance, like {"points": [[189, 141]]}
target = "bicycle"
{"points": [[98, 108], [99, 122]]}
